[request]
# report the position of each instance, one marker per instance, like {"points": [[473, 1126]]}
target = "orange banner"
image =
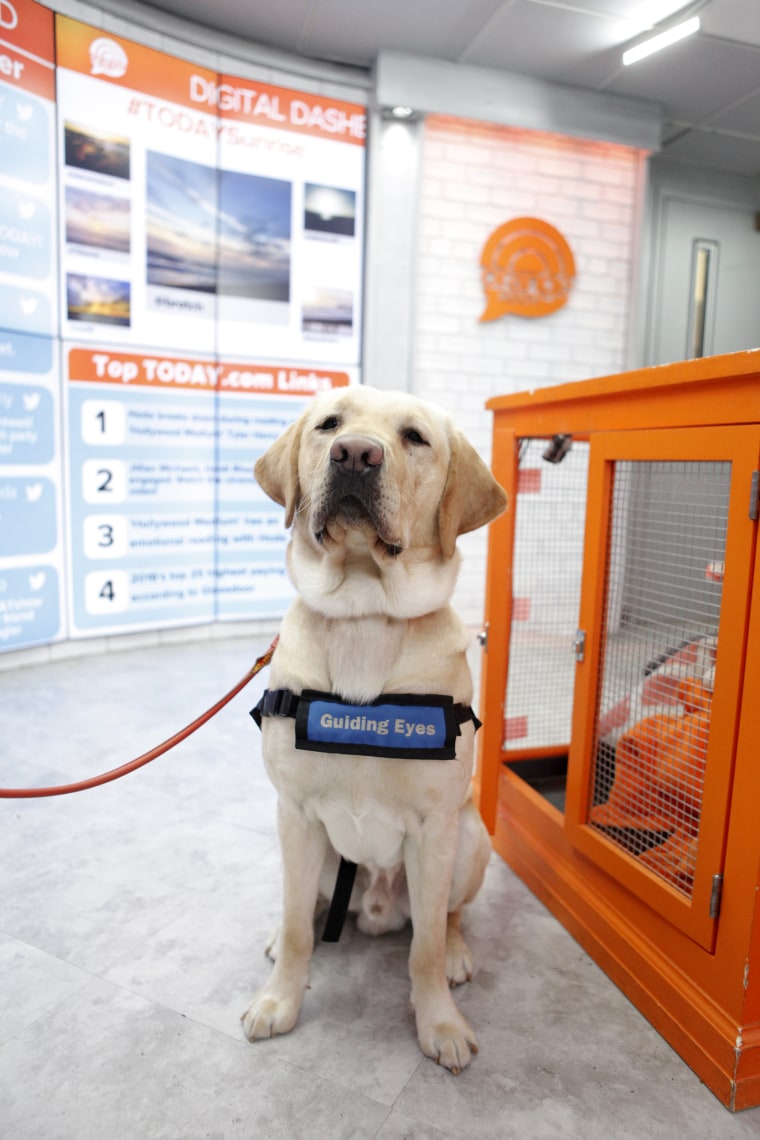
{"points": [[28, 26], [124, 63], [160, 76], [249, 102], [26, 47], [157, 371]]}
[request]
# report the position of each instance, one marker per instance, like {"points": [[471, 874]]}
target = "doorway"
{"points": [[705, 294]]}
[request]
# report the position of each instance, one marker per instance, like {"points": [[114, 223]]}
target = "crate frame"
{"points": [[693, 972]]}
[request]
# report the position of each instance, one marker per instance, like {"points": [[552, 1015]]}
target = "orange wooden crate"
{"points": [[663, 893]]}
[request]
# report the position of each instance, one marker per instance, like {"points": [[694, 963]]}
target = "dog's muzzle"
{"points": [[353, 495]]}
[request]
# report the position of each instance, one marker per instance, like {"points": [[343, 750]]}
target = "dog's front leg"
{"points": [[442, 1031], [276, 1007]]}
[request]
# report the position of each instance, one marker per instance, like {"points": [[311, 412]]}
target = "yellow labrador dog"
{"points": [[367, 733]]}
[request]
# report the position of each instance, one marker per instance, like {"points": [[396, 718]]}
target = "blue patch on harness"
{"points": [[404, 728]]}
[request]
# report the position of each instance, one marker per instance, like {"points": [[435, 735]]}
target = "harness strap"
{"points": [[275, 702], [336, 916]]}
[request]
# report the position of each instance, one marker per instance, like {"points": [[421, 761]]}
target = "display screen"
{"points": [[180, 271]]}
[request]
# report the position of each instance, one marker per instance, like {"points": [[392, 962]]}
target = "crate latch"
{"points": [[579, 644], [716, 895]]}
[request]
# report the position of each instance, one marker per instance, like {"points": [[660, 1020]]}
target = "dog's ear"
{"points": [[471, 497], [276, 471]]}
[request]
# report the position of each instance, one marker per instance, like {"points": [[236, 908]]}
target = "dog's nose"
{"points": [[356, 454]]}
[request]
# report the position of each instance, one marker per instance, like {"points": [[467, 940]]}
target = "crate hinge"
{"points": [[754, 496], [716, 894]]}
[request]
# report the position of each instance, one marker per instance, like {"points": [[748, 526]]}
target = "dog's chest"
{"points": [[368, 805], [362, 830], [360, 655]]}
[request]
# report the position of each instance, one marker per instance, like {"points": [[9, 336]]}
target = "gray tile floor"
{"points": [[132, 922]]}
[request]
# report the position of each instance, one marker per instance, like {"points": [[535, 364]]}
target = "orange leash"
{"points": [[140, 761]]}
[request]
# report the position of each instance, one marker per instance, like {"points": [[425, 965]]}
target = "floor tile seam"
{"points": [[346, 1085], [40, 1016], [421, 1063], [48, 953], [176, 915], [310, 1072], [497, 930], [239, 1039], [87, 978], [180, 1014], [285, 1066], [383, 1123], [313, 1075], [423, 1121]]}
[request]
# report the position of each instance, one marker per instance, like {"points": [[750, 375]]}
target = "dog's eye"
{"points": [[411, 435], [329, 424]]}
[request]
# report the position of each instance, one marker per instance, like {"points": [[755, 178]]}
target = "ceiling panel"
{"points": [[733, 20], [274, 23], [354, 32], [639, 13], [716, 151], [743, 116], [692, 79], [543, 41], [673, 130]]}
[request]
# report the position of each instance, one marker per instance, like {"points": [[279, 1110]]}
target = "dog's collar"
{"points": [[407, 726]]}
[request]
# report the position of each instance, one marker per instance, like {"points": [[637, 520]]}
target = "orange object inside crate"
{"points": [[659, 763]]}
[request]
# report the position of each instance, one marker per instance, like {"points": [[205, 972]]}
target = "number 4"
{"points": [[106, 593]]}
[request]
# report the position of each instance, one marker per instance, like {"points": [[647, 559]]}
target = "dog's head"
{"points": [[380, 468]]}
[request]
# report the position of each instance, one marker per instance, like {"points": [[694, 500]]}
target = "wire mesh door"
{"points": [[666, 557], [670, 594], [546, 583]]}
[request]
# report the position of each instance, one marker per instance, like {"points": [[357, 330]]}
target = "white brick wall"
{"points": [[473, 178]]}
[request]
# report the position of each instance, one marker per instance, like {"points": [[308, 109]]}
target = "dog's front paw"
{"points": [[450, 1043], [270, 1014]]}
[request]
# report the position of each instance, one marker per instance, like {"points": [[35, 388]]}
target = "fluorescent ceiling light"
{"points": [[665, 39]]}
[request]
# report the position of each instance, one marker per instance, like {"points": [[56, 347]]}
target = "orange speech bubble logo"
{"points": [[528, 269]]}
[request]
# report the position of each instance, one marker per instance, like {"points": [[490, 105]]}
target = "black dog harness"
{"points": [[406, 726]]}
